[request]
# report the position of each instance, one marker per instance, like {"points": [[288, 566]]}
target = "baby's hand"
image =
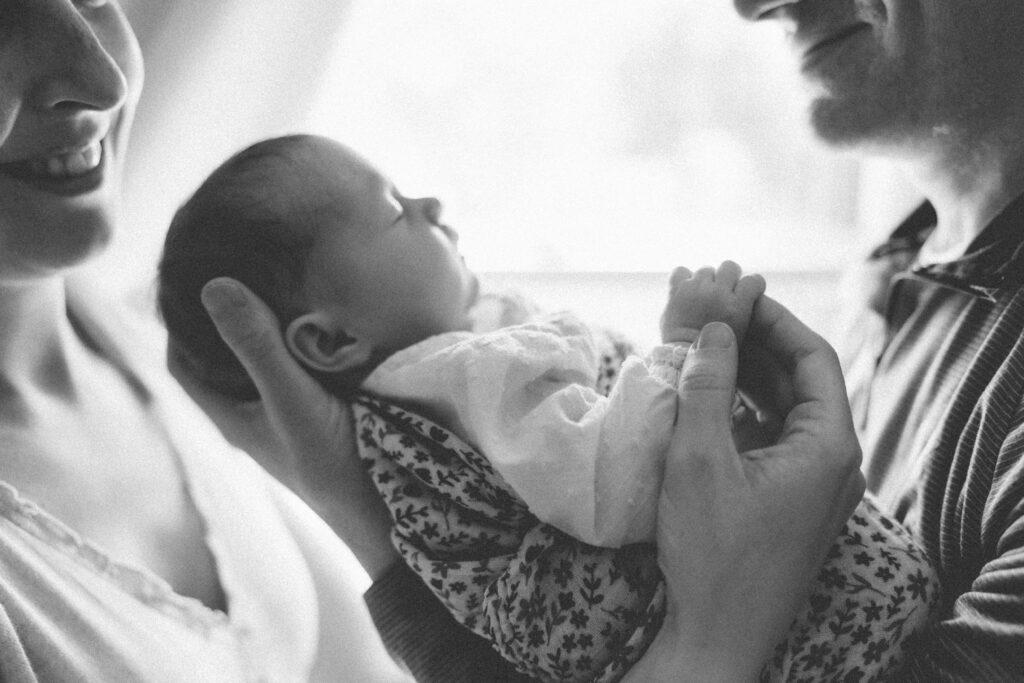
{"points": [[709, 295]]}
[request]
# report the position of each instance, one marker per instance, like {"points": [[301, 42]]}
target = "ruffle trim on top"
{"points": [[143, 584]]}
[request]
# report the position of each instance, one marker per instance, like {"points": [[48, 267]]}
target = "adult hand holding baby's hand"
{"points": [[741, 535], [298, 432]]}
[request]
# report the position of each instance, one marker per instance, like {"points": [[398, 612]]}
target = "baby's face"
{"points": [[383, 259]]}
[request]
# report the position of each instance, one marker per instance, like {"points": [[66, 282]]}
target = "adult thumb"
{"points": [[251, 330], [707, 386], [296, 404], [245, 323]]}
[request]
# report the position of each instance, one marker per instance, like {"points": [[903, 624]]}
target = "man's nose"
{"points": [[761, 9]]}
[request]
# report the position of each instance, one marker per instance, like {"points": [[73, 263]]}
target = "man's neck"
{"points": [[969, 183]]}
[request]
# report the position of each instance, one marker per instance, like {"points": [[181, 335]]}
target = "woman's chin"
{"points": [[57, 247]]}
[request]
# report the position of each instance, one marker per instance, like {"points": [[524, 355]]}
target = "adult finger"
{"points": [[818, 430], [812, 363], [707, 385], [292, 398], [211, 402]]}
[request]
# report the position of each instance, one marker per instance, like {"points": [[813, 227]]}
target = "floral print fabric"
{"points": [[562, 610]]}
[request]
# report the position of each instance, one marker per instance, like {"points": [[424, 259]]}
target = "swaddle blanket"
{"points": [[562, 610]]}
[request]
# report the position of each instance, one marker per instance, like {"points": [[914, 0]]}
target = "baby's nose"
{"points": [[432, 209]]}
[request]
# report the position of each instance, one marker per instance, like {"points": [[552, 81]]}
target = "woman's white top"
{"points": [[71, 612], [588, 464]]}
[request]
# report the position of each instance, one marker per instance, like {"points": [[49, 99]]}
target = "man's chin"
{"points": [[866, 116], [843, 125]]}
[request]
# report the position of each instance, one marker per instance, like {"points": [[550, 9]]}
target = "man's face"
{"points": [[898, 73]]}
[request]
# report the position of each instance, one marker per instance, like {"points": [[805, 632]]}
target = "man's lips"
{"points": [[822, 44]]}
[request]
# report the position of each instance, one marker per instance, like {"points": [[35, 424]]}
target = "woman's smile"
{"points": [[69, 164], [66, 172]]}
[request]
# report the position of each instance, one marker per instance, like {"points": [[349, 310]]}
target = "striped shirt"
{"points": [[936, 378]]}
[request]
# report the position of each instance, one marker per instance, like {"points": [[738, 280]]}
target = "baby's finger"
{"points": [[750, 287], [707, 273], [679, 274], [728, 274]]}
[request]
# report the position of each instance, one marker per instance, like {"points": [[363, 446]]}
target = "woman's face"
{"points": [[70, 75]]}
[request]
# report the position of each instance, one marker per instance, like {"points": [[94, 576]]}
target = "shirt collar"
{"points": [[994, 261]]}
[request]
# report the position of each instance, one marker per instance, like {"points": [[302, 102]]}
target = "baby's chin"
{"points": [[474, 290], [493, 311]]}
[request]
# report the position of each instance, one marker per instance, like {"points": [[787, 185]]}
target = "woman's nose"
{"points": [[75, 71]]}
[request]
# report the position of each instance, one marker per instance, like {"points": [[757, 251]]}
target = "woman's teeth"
{"points": [[70, 164]]}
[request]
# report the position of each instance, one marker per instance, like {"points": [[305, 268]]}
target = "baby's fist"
{"points": [[709, 295]]}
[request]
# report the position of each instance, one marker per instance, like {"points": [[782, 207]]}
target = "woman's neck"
{"points": [[38, 345]]}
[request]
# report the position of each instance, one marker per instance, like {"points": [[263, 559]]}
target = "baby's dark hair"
{"points": [[227, 229]]}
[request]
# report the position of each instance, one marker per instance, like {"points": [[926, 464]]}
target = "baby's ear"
{"points": [[319, 343]]}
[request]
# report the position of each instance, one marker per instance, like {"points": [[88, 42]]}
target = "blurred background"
{"points": [[582, 148]]}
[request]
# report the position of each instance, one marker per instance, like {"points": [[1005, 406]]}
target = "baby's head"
{"points": [[353, 269]]}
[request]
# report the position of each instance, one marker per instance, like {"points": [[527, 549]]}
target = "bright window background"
{"points": [[593, 135], [582, 148]]}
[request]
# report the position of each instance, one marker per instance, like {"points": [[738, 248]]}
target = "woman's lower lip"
{"points": [[66, 187]]}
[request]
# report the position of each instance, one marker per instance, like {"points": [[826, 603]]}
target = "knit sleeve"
{"points": [[421, 634]]}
